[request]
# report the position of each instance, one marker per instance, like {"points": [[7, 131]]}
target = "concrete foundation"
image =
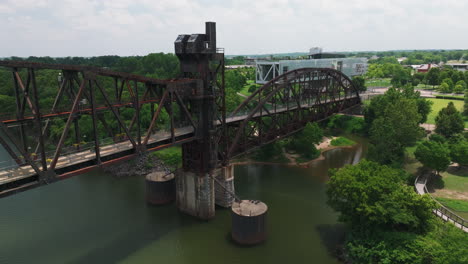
{"points": [[223, 196], [160, 188], [195, 194]]}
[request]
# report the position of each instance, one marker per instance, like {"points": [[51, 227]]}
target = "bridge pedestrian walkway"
{"points": [[14, 174], [442, 212]]}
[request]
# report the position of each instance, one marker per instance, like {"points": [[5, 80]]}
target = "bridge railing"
{"points": [[442, 211]]}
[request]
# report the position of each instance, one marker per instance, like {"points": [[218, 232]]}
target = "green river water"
{"points": [[96, 218]]}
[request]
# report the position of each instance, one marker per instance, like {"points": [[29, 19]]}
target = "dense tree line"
{"points": [[389, 222]]}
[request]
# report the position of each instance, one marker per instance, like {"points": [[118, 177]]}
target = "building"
{"points": [[268, 70], [459, 66], [425, 67]]}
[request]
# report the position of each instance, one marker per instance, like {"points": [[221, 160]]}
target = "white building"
{"points": [[267, 70]]}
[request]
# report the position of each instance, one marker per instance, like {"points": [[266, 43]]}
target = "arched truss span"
{"points": [[285, 105]]}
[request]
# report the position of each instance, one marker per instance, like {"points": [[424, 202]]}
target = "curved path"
{"points": [[442, 212]]}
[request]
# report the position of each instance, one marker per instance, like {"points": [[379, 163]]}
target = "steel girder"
{"points": [[286, 104], [99, 95]]}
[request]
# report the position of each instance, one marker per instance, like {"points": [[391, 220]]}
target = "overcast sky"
{"points": [[138, 27]]}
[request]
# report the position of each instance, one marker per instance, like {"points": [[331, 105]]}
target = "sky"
{"points": [[138, 27]]}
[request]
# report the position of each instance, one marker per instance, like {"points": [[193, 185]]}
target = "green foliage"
{"points": [[346, 124], [449, 121], [445, 244], [438, 138], [433, 155], [232, 100], [303, 143], [465, 105], [453, 97], [401, 76], [371, 195], [459, 152], [342, 141], [171, 157], [432, 76], [360, 83], [444, 88], [272, 152], [235, 80], [457, 205], [393, 120]]}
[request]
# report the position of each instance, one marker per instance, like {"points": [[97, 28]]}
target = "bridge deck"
{"points": [[18, 173], [15, 174]]}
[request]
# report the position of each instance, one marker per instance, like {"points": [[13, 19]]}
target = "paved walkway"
{"points": [[14, 174], [442, 212]]}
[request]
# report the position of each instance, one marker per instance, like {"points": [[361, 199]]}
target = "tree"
{"points": [[465, 106], [462, 83], [458, 89], [394, 127], [304, 142], [432, 76], [444, 88], [433, 155], [401, 76], [360, 83], [369, 195], [449, 121], [459, 153], [449, 82]]}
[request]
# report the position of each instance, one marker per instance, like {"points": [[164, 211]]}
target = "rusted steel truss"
{"points": [[86, 102], [91, 106], [286, 104]]}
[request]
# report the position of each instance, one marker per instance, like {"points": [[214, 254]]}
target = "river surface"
{"points": [[96, 218]]}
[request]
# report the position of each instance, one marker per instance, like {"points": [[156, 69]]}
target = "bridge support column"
{"points": [[224, 186], [195, 194]]}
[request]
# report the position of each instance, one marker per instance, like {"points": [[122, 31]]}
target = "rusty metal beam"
{"points": [[67, 126]]}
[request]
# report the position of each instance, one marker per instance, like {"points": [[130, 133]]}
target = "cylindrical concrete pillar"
{"points": [[160, 188], [249, 222]]}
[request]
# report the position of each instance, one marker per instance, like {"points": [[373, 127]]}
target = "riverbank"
{"points": [[139, 166], [323, 147]]}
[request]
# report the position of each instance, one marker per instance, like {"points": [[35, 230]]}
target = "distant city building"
{"points": [[400, 60], [231, 67], [268, 70], [459, 66], [425, 67], [249, 61]]}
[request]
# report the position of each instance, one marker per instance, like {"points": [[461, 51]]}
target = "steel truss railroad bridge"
{"points": [[193, 106]]}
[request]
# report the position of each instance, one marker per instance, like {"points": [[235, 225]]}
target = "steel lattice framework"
{"points": [[286, 104], [94, 93]]}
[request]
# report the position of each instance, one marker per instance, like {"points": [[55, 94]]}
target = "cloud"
{"points": [[138, 27]]}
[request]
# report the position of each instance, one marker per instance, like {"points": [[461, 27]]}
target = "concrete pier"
{"points": [[223, 194], [195, 194], [249, 222], [160, 188]]}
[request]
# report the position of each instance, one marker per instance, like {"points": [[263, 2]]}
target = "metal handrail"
{"points": [[444, 211]]}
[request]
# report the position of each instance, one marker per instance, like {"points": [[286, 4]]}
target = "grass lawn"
{"points": [[172, 156], [441, 103], [426, 87], [451, 189], [459, 206], [245, 89], [385, 82], [342, 141], [455, 179]]}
